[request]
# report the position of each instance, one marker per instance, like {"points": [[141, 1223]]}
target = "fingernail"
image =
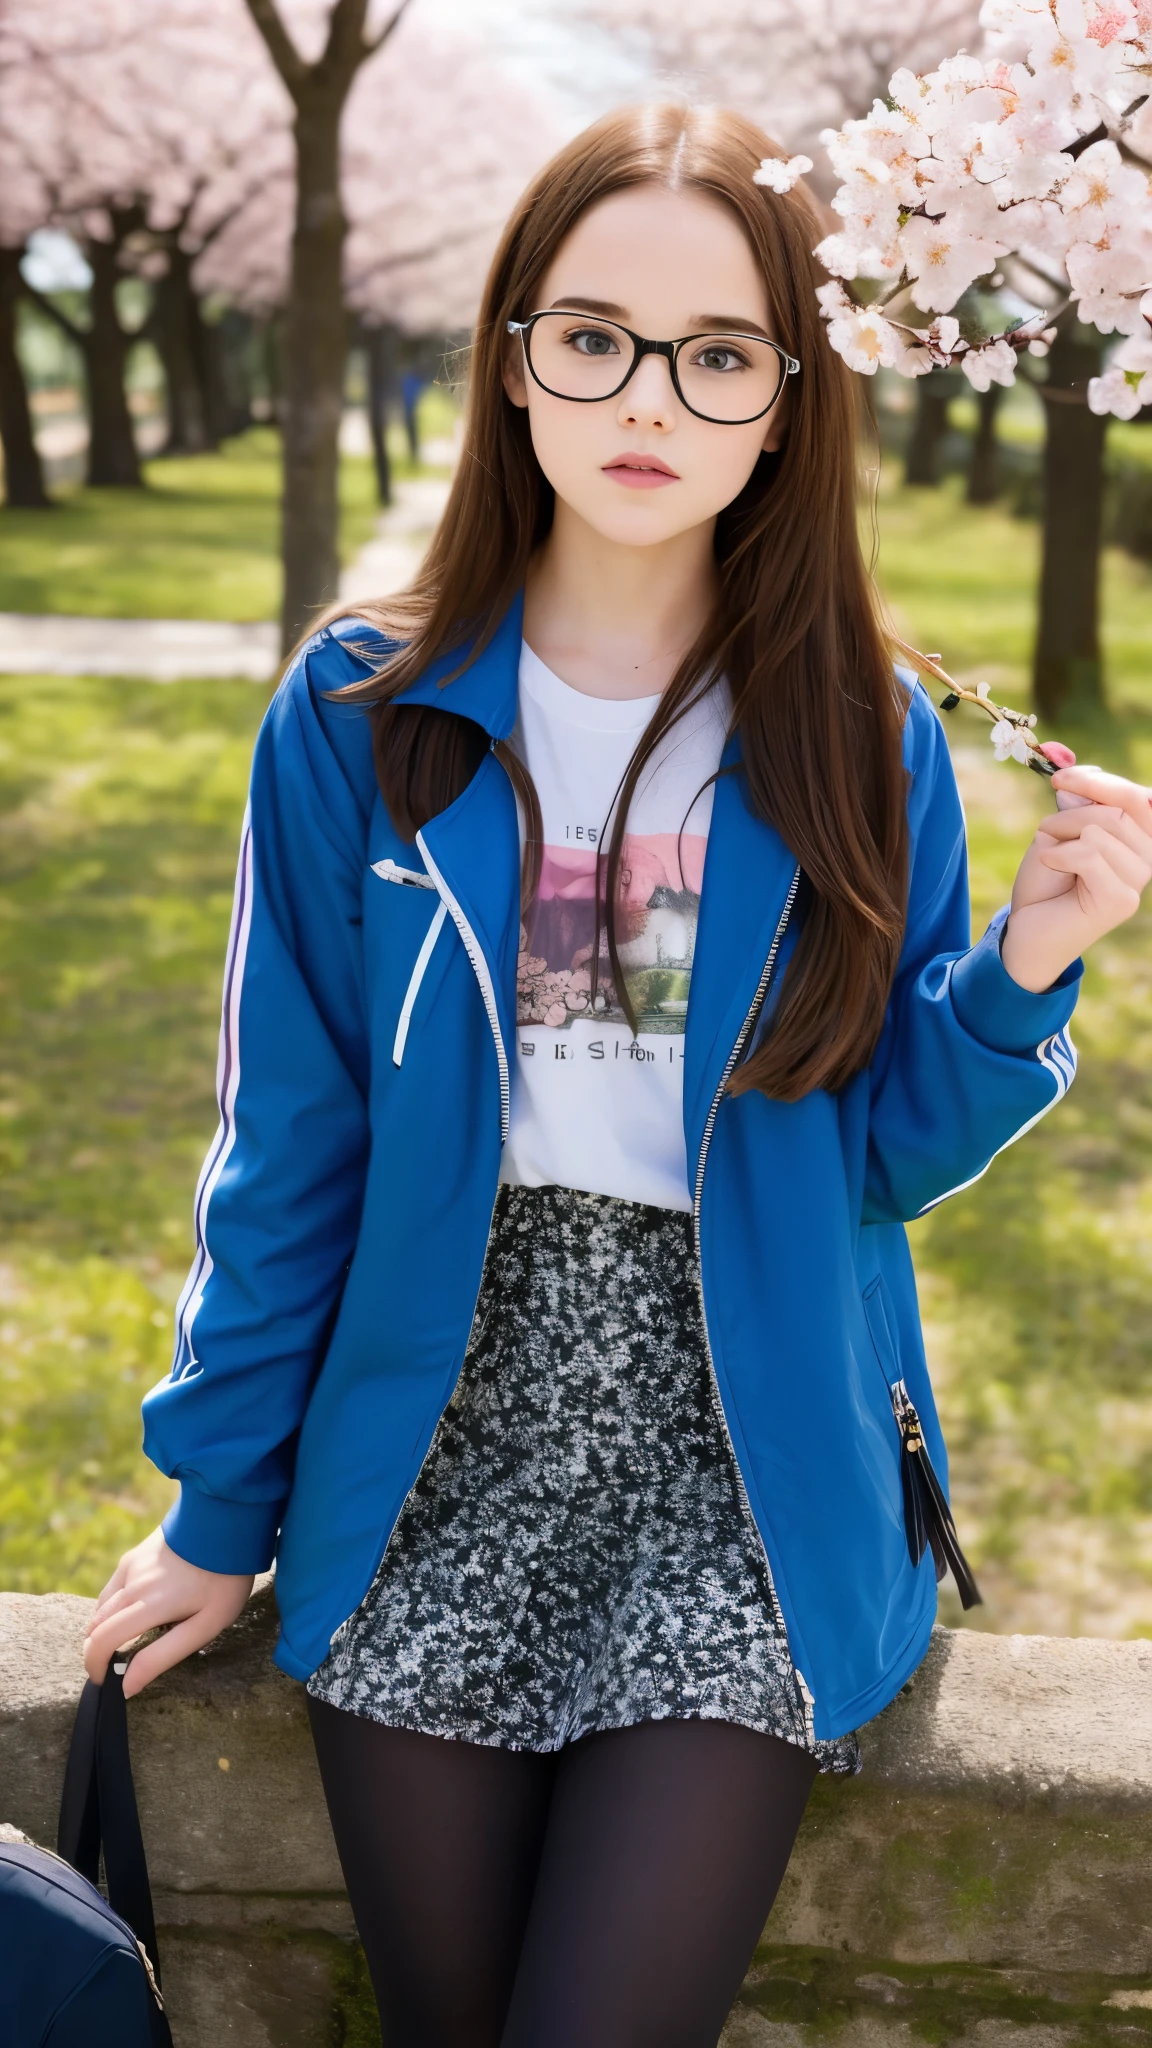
{"points": [[1058, 753]]}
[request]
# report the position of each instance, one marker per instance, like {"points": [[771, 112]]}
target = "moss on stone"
{"points": [[826, 1993], [1028, 1879], [357, 2024]]}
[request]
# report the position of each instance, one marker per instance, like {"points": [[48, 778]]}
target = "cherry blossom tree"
{"points": [[138, 130], [299, 157], [206, 122], [797, 66], [64, 151], [23, 475], [438, 139], [21, 211], [430, 179], [1024, 162], [314, 334]]}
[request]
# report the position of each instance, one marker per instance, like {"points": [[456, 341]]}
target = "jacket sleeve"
{"points": [[279, 1198], [968, 1060]]}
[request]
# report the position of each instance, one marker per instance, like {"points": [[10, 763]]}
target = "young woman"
{"points": [[599, 1005]]}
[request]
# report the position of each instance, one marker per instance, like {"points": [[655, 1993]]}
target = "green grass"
{"points": [[1037, 1284], [962, 581], [120, 806], [119, 810], [200, 542]]}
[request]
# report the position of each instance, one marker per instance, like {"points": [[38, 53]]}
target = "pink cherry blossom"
{"points": [[987, 157]]}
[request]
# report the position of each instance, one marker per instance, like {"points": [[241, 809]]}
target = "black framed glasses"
{"points": [[730, 379]]}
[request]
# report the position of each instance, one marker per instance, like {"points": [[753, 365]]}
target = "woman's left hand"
{"points": [[1083, 874]]}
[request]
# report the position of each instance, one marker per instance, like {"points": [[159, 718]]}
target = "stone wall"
{"points": [[988, 1879]]}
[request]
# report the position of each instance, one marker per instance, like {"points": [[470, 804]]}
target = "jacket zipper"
{"points": [[480, 969], [422, 958], [742, 1037]]}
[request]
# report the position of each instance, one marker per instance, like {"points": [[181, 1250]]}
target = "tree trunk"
{"points": [[177, 328], [112, 457], [1067, 675], [314, 352], [380, 348], [314, 333], [228, 345], [929, 426], [23, 476], [984, 468]]}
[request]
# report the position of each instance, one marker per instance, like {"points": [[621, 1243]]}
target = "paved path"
{"points": [[173, 650], [162, 650]]}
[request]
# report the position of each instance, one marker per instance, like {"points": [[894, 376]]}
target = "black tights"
{"points": [[608, 1896]]}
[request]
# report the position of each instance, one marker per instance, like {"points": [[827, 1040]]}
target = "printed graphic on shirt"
{"points": [[656, 914]]}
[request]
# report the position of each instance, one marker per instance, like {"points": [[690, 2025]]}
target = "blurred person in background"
{"points": [[600, 1004], [412, 384]]}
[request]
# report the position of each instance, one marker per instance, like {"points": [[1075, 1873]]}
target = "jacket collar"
{"points": [[488, 689]]}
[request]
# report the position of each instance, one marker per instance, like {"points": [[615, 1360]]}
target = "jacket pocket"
{"points": [[928, 1522]]}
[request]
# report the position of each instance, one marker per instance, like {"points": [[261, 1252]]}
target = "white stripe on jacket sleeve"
{"points": [[227, 1083], [1058, 1056]]}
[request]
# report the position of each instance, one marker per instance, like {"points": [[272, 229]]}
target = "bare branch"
{"points": [[377, 41], [41, 299], [282, 50], [347, 46], [402, 259]]}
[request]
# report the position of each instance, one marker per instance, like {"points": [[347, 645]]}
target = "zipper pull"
{"points": [[389, 872], [907, 1419], [928, 1523]]}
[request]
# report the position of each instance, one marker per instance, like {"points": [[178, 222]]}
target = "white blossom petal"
{"points": [[780, 175]]}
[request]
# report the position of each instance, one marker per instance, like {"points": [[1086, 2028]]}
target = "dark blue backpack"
{"points": [[78, 1970]]}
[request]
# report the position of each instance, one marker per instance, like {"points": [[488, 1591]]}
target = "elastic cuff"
{"points": [[222, 1535], [995, 1009]]}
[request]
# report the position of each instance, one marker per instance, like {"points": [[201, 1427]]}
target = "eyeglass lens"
{"points": [[723, 377]]}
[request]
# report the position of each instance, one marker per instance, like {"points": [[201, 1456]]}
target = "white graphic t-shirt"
{"points": [[593, 1107]]}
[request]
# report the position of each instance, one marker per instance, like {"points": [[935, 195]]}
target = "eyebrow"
{"points": [[606, 307], [730, 323], [704, 323]]}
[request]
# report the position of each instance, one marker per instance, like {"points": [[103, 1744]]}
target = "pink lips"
{"points": [[640, 472]]}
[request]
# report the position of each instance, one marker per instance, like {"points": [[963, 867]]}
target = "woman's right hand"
{"points": [[149, 1588]]}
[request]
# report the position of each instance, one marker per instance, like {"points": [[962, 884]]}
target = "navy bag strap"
{"points": [[98, 1807]]}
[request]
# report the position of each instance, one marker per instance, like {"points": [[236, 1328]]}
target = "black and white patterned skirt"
{"points": [[575, 1554]]}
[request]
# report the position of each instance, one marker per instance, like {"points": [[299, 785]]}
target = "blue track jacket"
{"points": [[343, 1212]]}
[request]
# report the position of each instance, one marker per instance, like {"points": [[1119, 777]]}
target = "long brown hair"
{"points": [[796, 629]]}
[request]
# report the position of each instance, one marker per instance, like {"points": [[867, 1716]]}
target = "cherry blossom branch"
{"points": [[1019, 154], [1012, 733]]}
